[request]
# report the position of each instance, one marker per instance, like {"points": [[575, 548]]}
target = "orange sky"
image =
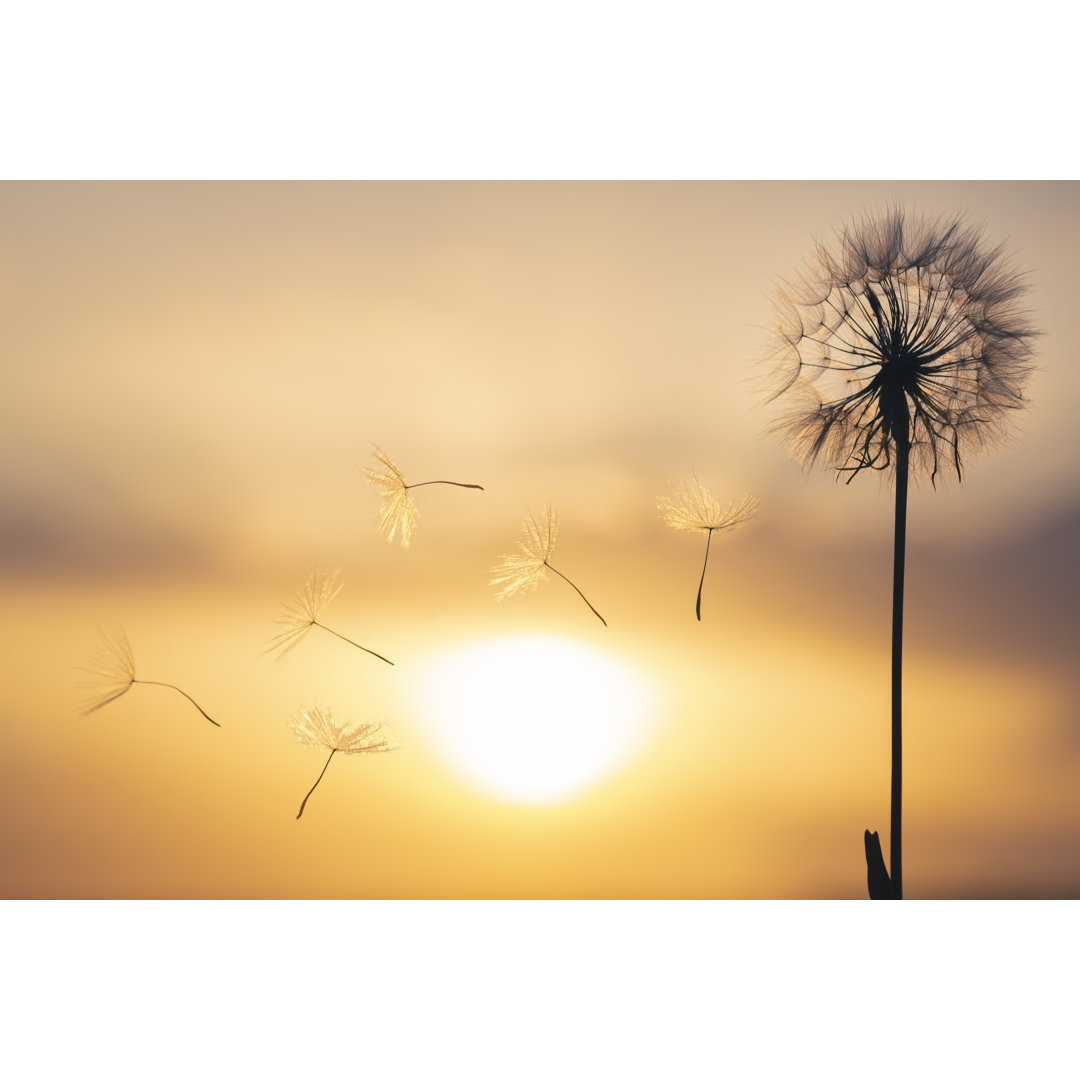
{"points": [[193, 374]]}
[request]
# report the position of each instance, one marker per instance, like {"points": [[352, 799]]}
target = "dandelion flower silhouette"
{"points": [[112, 665], [318, 730], [899, 349], [301, 614], [904, 341], [398, 512], [523, 573], [692, 507]]}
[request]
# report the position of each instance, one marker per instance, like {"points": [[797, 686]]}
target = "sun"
{"points": [[534, 719]]}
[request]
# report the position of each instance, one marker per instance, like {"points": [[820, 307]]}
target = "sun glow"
{"points": [[534, 719]]}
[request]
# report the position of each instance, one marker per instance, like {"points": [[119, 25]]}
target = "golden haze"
{"points": [[195, 373]]}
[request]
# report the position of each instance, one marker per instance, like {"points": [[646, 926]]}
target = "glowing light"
{"points": [[534, 719]]}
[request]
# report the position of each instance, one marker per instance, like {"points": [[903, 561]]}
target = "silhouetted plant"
{"points": [[398, 512], [877, 877], [523, 573], [301, 614], [901, 348], [112, 664], [319, 731], [693, 508]]}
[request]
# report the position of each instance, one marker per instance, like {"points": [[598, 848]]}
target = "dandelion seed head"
{"points": [[523, 572], [398, 512], [906, 328], [299, 615], [692, 506], [517, 574], [112, 666], [317, 729]]}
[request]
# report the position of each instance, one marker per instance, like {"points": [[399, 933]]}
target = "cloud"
{"points": [[80, 539]]}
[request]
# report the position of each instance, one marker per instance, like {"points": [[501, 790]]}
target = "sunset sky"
{"points": [[196, 375]]}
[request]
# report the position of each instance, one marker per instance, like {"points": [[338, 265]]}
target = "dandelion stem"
{"points": [[578, 591], [316, 784], [424, 483], [701, 583], [315, 622], [899, 545], [151, 682]]}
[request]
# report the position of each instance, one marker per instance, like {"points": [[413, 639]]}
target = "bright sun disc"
{"points": [[534, 719]]}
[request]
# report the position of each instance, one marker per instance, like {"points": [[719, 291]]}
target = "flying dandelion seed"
{"points": [[398, 512], [694, 508], [112, 665], [318, 730], [523, 573], [901, 348], [301, 614]]}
